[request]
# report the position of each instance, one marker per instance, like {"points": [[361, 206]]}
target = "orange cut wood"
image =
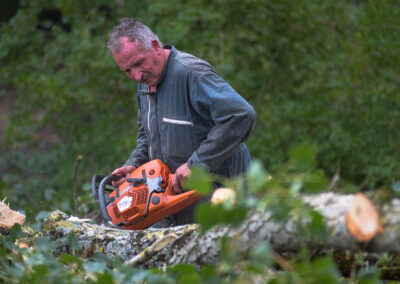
{"points": [[362, 219], [21, 244], [9, 217], [222, 195]]}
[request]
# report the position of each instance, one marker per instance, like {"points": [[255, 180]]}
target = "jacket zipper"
{"points": [[148, 124]]}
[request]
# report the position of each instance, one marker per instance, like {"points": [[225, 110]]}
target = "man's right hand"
{"points": [[124, 172]]}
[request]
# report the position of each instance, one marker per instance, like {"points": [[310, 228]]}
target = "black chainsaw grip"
{"points": [[103, 183], [95, 180]]}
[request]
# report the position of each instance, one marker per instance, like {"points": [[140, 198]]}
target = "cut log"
{"points": [[194, 248], [9, 217], [362, 219]]}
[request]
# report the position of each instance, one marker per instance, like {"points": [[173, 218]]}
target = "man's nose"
{"points": [[135, 75]]}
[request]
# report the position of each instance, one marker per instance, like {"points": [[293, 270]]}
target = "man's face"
{"points": [[144, 66]]}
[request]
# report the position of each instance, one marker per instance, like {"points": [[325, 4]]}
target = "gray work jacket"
{"points": [[194, 117]]}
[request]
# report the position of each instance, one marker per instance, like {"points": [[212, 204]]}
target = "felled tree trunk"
{"points": [[184, 244], [8, 218]]}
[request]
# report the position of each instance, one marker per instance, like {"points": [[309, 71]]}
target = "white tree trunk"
{"points": [[184, 244]]}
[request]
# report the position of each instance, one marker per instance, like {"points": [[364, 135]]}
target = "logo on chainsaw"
{"points": [[125, 203]]}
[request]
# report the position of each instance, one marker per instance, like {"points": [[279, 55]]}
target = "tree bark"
{"points": [[185, 244]]}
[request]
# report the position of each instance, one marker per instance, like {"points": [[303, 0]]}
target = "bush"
{"points": [[323, 73]]}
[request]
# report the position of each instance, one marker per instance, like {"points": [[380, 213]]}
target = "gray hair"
{"points": [[135, 31]]}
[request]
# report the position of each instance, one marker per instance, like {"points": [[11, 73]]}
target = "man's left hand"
{"points": [[181, 174]]}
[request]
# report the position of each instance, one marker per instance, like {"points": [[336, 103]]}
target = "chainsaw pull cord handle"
{"points": [[102, 185]]}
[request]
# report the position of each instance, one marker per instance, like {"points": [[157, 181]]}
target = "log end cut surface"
{"points": [[9, 217], [362, 219]]}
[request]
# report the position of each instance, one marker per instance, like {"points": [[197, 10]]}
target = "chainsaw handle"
{"points": [[102, 186], [95, 180]]}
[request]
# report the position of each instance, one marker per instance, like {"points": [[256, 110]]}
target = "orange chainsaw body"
{"points": [[146, 197]]}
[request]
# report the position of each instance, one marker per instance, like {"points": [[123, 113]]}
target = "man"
{"points": [[188, 115]]}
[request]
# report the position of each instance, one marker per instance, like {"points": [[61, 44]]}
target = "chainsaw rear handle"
{"points": [[103, 183]]}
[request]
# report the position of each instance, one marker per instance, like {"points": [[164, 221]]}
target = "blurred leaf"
{"points": [[68, 258], [39, 274], [295, 188], [280, 210], [44, 244], [318, 227], [303, 157], [208, 215], [321, 270], [368, 276], [261, 257], [72, 241], [315, 181], [235, 216], [200, 181], [42, 215], [184, 273], [209, 275], [15, 232], [257, 177], [155, 278], [104, 278], [396, 187], [94, 266]]}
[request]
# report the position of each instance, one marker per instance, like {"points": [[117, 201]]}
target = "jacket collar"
{"points": [[172, 54]]}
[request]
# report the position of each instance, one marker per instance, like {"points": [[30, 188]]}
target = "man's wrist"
{"points": [[194, 161]]}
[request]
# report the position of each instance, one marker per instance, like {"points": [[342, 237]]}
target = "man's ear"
{"points": [[155, 44]]}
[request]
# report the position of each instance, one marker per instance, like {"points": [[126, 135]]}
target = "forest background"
{"points": [[319, 73], [323, 77]]}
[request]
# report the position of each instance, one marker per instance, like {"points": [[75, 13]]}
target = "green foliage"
{"points": [[319, 73], [236, 264], [208, 215]]}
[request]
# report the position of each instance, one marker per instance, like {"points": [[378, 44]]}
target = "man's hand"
{"points": [[123, 171], [181, 174]]}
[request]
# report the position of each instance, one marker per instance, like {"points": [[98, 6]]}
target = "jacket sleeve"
{"points": [[139, 155], [232, 118]]}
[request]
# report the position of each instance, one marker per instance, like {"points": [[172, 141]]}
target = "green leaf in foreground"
{"points": [[368, 276], [69, 258], [184, 273], [200, 181], [208, 215], [257, 177], [316, 181]]}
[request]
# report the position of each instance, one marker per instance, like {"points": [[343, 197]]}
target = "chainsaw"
{"points": [[143, 199]]}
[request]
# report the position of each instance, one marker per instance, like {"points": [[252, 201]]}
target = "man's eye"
{"points": [[137, 64]]}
